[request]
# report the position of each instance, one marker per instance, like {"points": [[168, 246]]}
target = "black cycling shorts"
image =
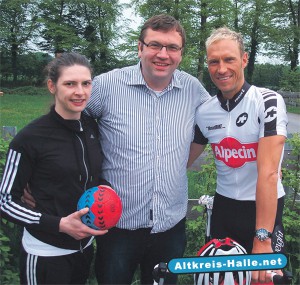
{"points": [[236, 219]]}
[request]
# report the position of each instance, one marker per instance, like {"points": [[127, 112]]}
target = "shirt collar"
{"points": [[74, 125], [229, 104]]}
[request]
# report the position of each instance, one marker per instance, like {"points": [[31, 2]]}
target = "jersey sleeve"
{"points": [[273, 116], [198, 137]]}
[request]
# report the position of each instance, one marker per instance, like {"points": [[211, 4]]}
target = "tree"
{"points": [[57, 31], [253, 23], [268, 75], [284, 40], [100, 31], [18, 23], [88, 26]]}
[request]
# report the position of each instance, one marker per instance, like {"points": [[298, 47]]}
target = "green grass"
{"points": [[19, 109], [295, 110]]}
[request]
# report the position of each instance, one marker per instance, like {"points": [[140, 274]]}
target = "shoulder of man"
{"points": [[266, 91], [116, 72], [185, 78]]}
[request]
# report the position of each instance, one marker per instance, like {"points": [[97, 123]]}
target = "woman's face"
{"points": [[72, 91]]}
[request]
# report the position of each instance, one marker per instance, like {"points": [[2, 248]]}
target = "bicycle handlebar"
{"points": [[206, 201], [285, 279], [279, 279]]}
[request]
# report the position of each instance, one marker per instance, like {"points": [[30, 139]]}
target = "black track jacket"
{"points": [[59, 159]]}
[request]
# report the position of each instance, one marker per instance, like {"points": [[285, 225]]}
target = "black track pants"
{"points": [[66, 269]]}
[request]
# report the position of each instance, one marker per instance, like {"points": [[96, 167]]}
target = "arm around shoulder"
{"points": [[195, 152]]}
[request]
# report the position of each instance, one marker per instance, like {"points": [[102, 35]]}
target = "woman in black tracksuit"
{"points": [[58, 156]]}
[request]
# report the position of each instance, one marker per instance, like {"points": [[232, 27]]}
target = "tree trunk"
{"points": [[294, 51], [254, 44], [14, 54], [203, 18]]}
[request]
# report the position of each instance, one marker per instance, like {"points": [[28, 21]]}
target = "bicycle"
{"points": [[161, 270]]}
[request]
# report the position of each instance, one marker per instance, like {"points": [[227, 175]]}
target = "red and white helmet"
{"points": [[225, 246]]}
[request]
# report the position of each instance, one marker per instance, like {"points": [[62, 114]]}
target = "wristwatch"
{"points": [[262, 234]]}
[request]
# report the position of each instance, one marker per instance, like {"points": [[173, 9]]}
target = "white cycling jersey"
{"points": [[233, 128]]}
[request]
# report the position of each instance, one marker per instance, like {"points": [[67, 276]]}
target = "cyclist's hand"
{"points": [[261, 247], [273, 274]]}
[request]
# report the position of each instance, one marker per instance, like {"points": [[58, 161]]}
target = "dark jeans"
{"points": [[119, 252]]}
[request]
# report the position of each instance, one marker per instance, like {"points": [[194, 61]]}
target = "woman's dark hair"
{"points": [[164, 23], [54, 68]]}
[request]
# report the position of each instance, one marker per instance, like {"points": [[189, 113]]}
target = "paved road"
{"points": [[294, 123]]}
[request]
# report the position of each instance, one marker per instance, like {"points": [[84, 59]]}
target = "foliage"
{"points": [[3, 149], [283, 39], [30, 68], [204, 181], [268, 75], [8, 252], [290, 80], [291, 221], [86, 26], [293, 109], [9, 273], [291, 171], [19, 25], [25, 91], [98, 30], [201, 183], [276, 77], [291, 181]]}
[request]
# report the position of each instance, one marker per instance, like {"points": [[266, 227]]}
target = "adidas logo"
{"points": [[92, 136]]}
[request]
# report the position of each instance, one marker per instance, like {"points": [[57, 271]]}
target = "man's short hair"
{"points": [[164, 23], [224, 33]]}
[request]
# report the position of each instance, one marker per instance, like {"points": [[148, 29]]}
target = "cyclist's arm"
{"points": [[195, 150], [268, 159], [197, 146]]}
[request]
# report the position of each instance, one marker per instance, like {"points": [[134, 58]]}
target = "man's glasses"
{"points": [[154, 46]]}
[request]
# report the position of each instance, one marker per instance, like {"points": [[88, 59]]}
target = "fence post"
{"points": [[8, 132]]}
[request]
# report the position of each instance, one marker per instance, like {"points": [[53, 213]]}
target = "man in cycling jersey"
{"points": [[246, 127]]}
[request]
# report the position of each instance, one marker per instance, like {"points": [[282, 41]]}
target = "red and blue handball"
{"points": [[105, 207]]}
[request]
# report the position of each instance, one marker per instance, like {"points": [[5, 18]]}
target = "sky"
{"points": [[129, 13]]}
